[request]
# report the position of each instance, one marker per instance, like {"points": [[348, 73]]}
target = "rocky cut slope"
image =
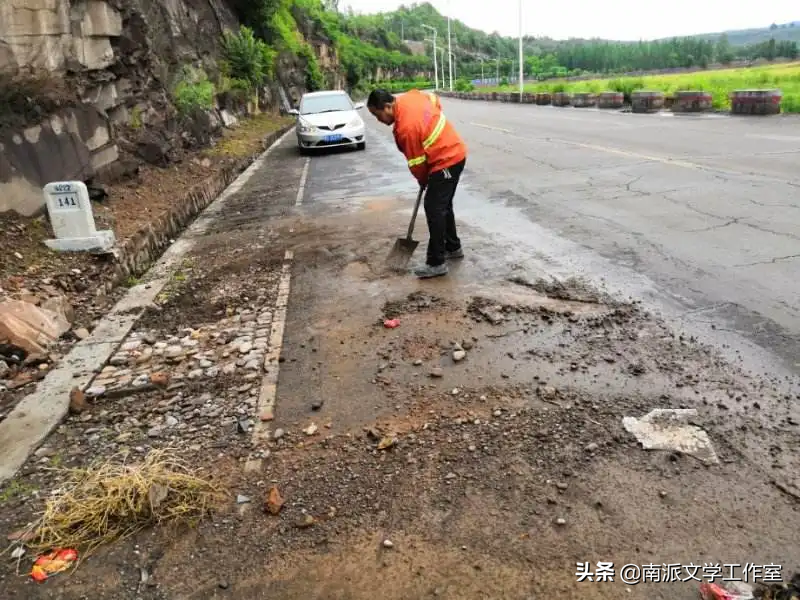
{"points": [[86, 88]]}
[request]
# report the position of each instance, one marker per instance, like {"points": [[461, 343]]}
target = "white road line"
{"points": [[302, 189], [490, 127], [38, 413], [269, 384]]}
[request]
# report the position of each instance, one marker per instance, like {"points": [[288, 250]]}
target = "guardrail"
{"points": [[743, 102]]}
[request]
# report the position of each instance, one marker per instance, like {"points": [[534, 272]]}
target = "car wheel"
{"points": [[361, 145]]}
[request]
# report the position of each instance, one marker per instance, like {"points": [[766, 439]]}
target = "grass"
{"points": [[112, 500], [785, 77], [247, 139]]}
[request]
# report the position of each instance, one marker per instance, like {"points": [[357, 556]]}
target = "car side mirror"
{"points": [[294, 111], [359, 105]]}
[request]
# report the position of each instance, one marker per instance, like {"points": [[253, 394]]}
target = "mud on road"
{"points": [[475, 451]]}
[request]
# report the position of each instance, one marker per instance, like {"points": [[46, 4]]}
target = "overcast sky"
{"points": [[614, 19]]}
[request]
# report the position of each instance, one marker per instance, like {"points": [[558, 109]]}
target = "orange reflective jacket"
{"points": [[423, 134]]}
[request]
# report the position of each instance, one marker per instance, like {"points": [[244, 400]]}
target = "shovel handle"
{"points": [[414, 214]]}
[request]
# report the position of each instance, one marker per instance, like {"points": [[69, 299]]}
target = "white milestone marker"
{"points": [[73, 221]]}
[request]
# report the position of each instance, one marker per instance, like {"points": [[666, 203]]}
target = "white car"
{"points": [[329, 119]]}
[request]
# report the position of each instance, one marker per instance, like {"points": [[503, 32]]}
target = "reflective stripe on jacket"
{"points": [[423, 134]]}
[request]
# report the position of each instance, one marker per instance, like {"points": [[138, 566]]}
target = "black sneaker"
{"points": [[455, 254]]}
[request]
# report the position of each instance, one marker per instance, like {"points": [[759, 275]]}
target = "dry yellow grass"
{"points": [[114, 499]]}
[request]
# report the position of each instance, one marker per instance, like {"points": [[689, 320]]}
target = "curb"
{"points": [[41, 411]]}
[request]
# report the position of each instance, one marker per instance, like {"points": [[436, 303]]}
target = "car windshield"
{"points": [[327, 103]]}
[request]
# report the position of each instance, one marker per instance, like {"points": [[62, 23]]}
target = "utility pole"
{"points": [[435, 61], [497, 75], [449, 48], [521, 59], [441, 53]]}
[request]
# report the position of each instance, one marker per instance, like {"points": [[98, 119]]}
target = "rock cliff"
{"points": [[85, 87]]}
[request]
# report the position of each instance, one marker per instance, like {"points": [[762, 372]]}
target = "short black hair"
{"points": [[379, 98]]}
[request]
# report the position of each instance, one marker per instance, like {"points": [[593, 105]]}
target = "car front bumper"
{"points": [[320, 138]]}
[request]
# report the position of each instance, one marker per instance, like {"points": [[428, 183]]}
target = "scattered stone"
{"points": [[591, 447], [241, 499], [170, 421], [274, 501], [467, 345], [173, 352], [561, 521], [245, 347], [311, 429], [81, 333], [160, 379], [450, 476], [437, 372], [278, 434], [459, 355], [388, 544], [561, 485], [316, 405], [386, 443], [131, 346], [77, 401], [418, 362], [305, 522], [223, 585], [548, 392], [118, 360]]}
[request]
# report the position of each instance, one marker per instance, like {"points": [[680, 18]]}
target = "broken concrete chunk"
{"points": [[668, 429]]}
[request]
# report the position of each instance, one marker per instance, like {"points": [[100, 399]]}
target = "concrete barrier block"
{"points": [[561, 99], [514, 98], [583, 99], [691, 101], [493, 96], [644, 101], [543, 98], [756, 102], [528, 98], [610, 100]]}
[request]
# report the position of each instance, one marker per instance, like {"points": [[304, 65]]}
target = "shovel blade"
{"points": [[401, 253]]}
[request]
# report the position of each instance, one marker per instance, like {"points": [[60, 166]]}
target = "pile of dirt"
{"points": [[415, 302]]}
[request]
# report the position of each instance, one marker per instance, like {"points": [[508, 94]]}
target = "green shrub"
{"points": [[247, 58], [464, 85], [314, 78], [193, 91]]}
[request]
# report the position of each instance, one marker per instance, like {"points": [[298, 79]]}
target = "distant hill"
{"points": [[788, 32]]}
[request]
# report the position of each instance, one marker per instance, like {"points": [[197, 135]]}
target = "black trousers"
{"points": [[439, 213]]}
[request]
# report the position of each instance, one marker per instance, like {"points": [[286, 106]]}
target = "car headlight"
{"points": [[357, 122], [305, 127]]}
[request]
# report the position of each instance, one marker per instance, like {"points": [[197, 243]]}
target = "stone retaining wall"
{"points": [[561, 99], [743, 102], [756, 102], [647, 101], [141, 250], [611, 100], [583, 99], [691, 101]]}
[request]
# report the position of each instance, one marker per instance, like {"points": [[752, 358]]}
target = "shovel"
{"points": [[404, 247]]}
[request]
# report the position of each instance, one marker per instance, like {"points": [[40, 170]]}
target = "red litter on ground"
{"points": [[52, 563], [391, 323]]}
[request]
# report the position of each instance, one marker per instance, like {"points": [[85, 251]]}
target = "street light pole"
{"points": [[449, 48], [521, 82], [435, 61]]}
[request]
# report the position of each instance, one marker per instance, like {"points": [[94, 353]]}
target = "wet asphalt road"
{"points": [[698, 214]]}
